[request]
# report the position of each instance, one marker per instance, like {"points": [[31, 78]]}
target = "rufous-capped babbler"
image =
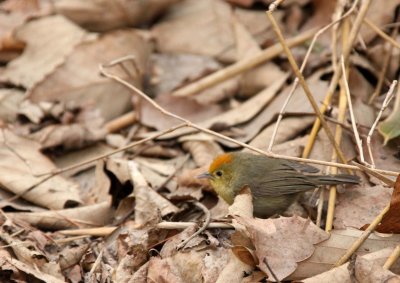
{"points": [[274, 183]]}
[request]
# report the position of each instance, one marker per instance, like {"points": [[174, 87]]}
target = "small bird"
{"points": [[274, 183]]}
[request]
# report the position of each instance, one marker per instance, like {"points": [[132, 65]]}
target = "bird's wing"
{"points": [[279, 183], [302, 167]]}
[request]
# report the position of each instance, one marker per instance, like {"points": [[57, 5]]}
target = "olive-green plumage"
{"points": [[275, 183]]}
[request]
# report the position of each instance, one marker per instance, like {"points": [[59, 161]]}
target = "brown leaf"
{"points": [[21, 162], [244, 112], [33, 271], [391, 221], [330, 251], [283, 242], [85, 86], [182, 106], [366, 270], [10, 103], [207, 18], [86, 216], [103, 15], [148, 203], [360, 205], [46, 49]]}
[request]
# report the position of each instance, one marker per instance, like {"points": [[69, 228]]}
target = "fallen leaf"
{"points": [[283, 242], [182, 106], [327, 253], [20, 163], [360, 205], [288, 128], [85, 216], [243, 113], [148, 203], [103, 15], [341, 274], [85, 85], [33, 271], [46, 49], [391, 221], [10, 103]]}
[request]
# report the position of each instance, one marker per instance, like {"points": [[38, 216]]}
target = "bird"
{"points": [[274, 183]]}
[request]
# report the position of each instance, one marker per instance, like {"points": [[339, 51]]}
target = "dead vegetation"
{"points": [[110, 109]]}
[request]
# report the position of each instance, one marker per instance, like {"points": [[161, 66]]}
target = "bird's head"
{"points": [[220, 173]]}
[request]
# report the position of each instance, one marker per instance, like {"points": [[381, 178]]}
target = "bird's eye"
{"points": [[218, 173]]}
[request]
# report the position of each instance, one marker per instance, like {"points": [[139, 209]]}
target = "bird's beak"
{"points": [[205, 175]]}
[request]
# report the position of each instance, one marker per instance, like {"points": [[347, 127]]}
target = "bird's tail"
{"points": [[336, 179]]}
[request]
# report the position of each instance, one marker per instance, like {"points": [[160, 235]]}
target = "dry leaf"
{"points": [[21, 161], [103, 15], [283, 242], [85, 216], [210, 19], [203, 151], [341, 274], [148, 203], [360, 205], [85, 85], [391, 221], [46, 49], [182, 106], [289, 127], [330, 251], [243, 113], [10, 102], [33, 271]]}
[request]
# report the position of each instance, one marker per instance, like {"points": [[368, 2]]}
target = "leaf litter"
{"points": [[80, 204]]}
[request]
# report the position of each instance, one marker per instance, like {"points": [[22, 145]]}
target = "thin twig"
{"points": [[320, 207], [385, 104], [202, 228], [305, 87], [271, 271], [353, 119], [382, 34], [104, 231], [303, 65]]}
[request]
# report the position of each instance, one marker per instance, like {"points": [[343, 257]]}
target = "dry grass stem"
{"points": [[338, 135], [337, 74], [241, 66], [306, 89], [385, 104], [353, 119], [303, 65], [121, 122], [394, 256], [354, 247]]}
